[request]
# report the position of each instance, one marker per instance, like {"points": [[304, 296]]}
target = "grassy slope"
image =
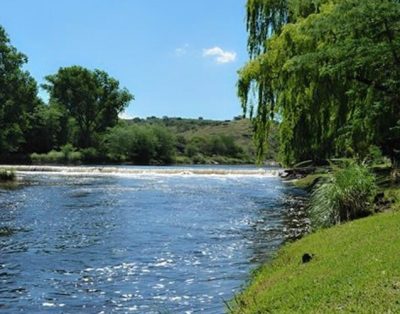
{"points": [[241, 131], [356, 268]]}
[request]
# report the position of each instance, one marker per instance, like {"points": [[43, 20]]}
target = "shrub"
{"points": [[74, 157], [183, 160], [198, 159], [7, 175], [67, 154], [140, 144], [53, 156], [36, 158], [91, 155], [347, 194]]}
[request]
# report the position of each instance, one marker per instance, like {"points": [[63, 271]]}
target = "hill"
{"points": [[200, 140]]}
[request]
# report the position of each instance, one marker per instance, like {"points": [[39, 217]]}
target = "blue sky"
{"points": [[178, 57]]}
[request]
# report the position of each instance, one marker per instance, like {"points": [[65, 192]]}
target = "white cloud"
{"points": [[220, 56], [181, 51]]}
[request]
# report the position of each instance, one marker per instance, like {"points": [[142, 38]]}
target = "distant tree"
{"points": [[164, 145], [196, 145], [18, 98], [92, 98], [140, 144]]}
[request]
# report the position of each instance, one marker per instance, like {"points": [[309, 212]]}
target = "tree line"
{"points": [[80, 122]]}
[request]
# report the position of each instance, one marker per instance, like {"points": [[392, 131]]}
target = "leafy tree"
{"points": [[329, 71], [44, 133], [18, 97], [92, 98], [165, 145]]}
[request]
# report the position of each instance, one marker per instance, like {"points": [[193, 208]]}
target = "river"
{"points": [[134, 239]]}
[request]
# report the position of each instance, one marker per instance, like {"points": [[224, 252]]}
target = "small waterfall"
{"points": [[137, 170]]}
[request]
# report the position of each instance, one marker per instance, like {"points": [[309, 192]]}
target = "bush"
{"points": [[53, 157], [199, 159], [74, 157], [140, 144], [183, 160], [67, 154], [347, 194], [91, 155], [213, 145], [36, 158], [7, 175]]}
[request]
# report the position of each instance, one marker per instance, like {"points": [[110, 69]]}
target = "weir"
{"points": [[144, 170]]}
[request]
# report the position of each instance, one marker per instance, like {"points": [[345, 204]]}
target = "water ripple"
{"points": [[140, 244]]}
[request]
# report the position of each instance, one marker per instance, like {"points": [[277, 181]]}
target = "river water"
{"points": [[161, 240]]}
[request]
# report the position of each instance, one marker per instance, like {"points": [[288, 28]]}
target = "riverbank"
{"points": [[354, 268]]}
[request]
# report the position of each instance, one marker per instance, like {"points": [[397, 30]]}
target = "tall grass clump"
{"points": [[347, 194], [7, 175], [67, 154]]}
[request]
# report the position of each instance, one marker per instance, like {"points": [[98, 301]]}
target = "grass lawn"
{"points": [[356, 268]]}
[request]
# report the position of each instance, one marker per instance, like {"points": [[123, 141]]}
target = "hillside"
{"points": [[192, 131]]}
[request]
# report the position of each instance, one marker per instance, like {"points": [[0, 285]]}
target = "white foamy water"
{"points": [[145, 171]]}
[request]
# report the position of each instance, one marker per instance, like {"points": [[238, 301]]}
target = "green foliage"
{"points": [[91, 155], [67, 154], [322, 68], [140, 144], [393, 194], [7, 175], [347, 194], [210, 141], [92, 98], [18, 97], [214, 145], [49, 130], [354, 270]]}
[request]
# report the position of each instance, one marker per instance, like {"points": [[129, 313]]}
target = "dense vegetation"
{"points": [[347, 194], [7, 175], [329, 71], [80, 122], [209, 141]]}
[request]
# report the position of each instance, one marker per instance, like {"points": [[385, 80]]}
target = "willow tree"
{"points": [[329, 71]]}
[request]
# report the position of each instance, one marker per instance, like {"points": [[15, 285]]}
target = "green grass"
{"points": [[356, 268]]}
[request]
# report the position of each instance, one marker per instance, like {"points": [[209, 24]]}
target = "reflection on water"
{"points": [[141, 243]]}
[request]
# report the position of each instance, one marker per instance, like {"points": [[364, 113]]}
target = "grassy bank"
{"points": [[355, 268]]}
